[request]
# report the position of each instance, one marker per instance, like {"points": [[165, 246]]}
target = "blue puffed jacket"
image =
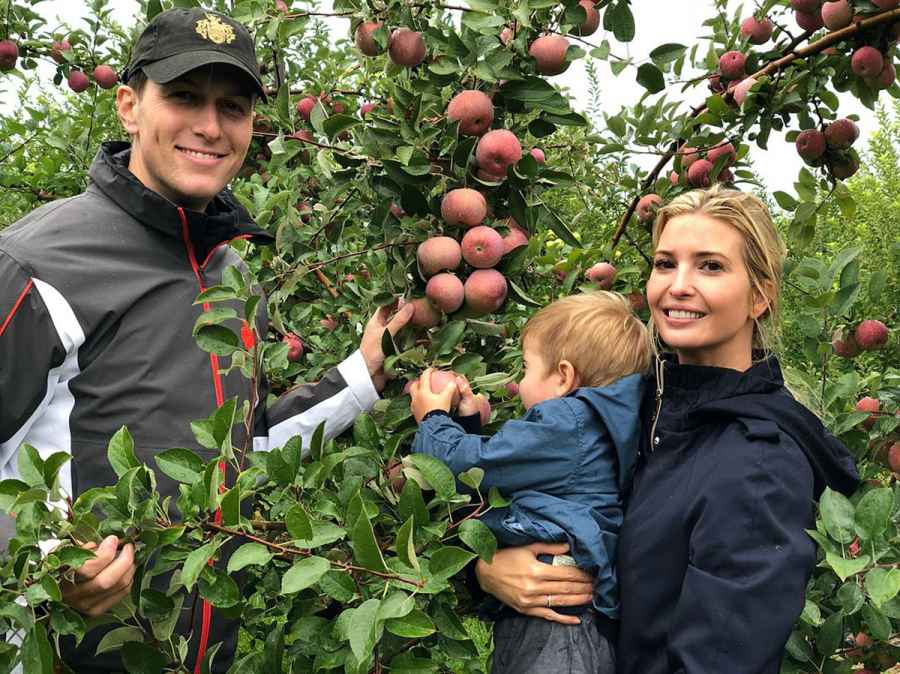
{"points": [[565, 466]]}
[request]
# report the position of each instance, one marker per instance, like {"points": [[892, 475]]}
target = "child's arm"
{"points": [[529, 453]]}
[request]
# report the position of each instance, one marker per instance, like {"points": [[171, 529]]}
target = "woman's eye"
{"points": [[711, 265], [662, 263]]}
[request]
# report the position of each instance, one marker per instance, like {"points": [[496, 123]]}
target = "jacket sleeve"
{"points": [[337, 399], [524, 454], [749, 561], [31, 352]]}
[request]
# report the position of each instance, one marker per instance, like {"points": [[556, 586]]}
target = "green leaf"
{"points": [[879, 625], [882, 585], [182, 465], [472, 478], [406, 549], [214, 317], [298, 523], [195, 562], [365, 548], [365, 432], [412, 504], [218, 588], [837, 515], [249, 554], [231, 506], [363, 629], [446, 339], [31, 466], [519, 295], [414, 625], [217, 339], [873, 512], [666, 53], [304, 574], [139, 658], [436, 473], [651, 78], [619, 19], [155, 605], [785, 200], [448, 561], [844, 568], [52, 465], [830, 634], [477, 536], [37, 654], [120, 452], [216, 294], [114, 639], [396, 605]]}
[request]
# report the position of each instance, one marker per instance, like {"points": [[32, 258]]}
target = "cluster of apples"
{"points": [[405, 47], [869, 335], [831, 147], [78, 81], [698, 168], [481, 247]]}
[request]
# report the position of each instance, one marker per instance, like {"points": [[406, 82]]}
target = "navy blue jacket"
{"points": [[713, 555], [563, 465]]}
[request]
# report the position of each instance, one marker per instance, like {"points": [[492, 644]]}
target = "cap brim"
{"points": [[171, 68]]}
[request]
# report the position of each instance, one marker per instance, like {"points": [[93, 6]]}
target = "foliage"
{"points": [[335, 561]]}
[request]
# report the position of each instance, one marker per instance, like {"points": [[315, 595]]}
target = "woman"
{"points": [[713, 556]]}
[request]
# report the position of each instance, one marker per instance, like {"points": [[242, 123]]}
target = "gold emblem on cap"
{"points": [[214, 29]]}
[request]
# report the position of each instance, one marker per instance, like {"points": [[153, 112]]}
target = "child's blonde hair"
{"points": [[597, 332], [764, 251]]}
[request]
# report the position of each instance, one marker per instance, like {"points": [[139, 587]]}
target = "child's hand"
{"points": [[424, 401], [468, 404]]}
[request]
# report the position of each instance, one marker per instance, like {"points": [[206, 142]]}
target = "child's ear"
{"points": [[567, 378]]}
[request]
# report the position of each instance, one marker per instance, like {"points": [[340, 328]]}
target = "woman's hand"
{"points": [[103, 581], [519, 580]]}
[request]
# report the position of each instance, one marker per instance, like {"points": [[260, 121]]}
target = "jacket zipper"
{"points": [[660, 375], [220, 399]]}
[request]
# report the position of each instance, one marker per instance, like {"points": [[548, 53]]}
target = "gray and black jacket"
{"points": [[96, 314]]}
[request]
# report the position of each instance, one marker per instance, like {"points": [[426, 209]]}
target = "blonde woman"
{"points": [[713, 555]]}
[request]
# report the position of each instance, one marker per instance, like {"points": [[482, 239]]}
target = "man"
{"points": [[97, 292]]}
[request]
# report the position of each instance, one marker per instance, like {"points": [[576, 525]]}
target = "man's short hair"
{"points": [[137, 81], [597, 332]]}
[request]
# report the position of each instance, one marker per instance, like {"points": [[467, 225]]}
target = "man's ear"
{"points": [[127, 100], [567, 378]]}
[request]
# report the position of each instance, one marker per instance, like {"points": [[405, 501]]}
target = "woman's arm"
{"points": [[519, 580], [750, 559]]}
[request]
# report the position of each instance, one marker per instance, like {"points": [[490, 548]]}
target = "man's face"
{"points": [[190, 136]]}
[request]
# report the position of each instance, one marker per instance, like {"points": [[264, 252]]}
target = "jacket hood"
{"points": [[619, 405], [759, 395], [224, 219]]}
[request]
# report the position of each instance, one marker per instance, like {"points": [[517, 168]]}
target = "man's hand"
{"points": [[103, 581], [424, 401], [370, 346]]}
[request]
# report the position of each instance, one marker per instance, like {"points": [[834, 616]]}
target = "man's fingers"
{"points": [[113, 578], [105, 553], [400, 319], [107, 603]]}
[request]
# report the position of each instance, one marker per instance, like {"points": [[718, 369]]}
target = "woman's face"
{"points": [[700, 295]]}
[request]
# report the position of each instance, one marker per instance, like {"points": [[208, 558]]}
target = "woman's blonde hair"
{"points": [[597, 332], [764, 251]]}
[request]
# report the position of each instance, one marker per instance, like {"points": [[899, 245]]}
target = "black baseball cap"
{"points": [[179, 40]]}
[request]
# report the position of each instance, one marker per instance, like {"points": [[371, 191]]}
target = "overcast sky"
{"points": [[658, 21]]}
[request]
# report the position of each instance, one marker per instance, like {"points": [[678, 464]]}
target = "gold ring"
{"points": [[549, 600]]}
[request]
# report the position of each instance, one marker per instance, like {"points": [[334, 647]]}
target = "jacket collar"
{"points": [[223, 220]]}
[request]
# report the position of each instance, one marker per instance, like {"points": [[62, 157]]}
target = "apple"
{"points": [[9, 54], [407, 48], [365, 38], [78, 81], [295, 346], [105, 77], [549, 53], [473, 110], [602, 274]]}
